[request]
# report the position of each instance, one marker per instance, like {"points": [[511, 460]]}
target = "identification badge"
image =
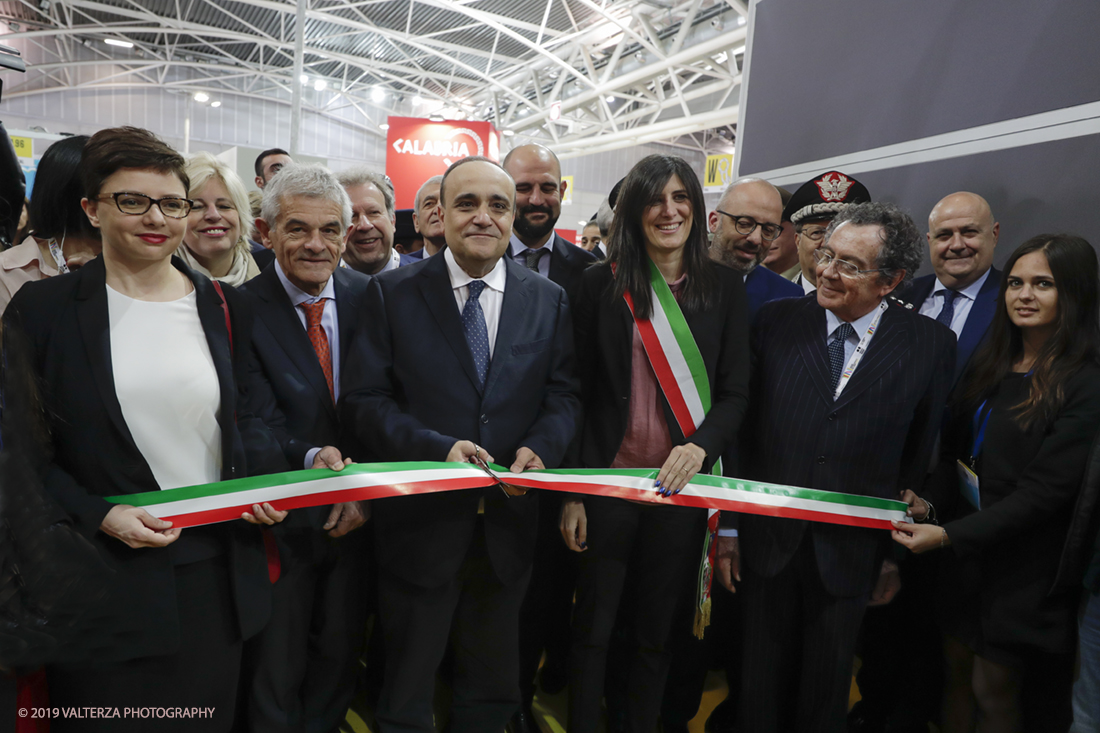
{"points": [[968, 485]]}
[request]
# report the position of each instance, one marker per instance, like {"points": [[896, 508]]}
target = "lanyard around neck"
{"points": [[861, 349]]}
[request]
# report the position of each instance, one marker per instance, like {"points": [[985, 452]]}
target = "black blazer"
{"points": [[977, 321], [567, 265], [65, 319], [412, 392], [605, 332], [876, 440], [287, 375]]}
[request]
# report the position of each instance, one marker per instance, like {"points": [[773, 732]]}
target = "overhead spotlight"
{"points": [[639, 56], [741, 20], [44, 5], [14, 26], [436, 117], [303, 79], [417, 101], [202, 97], [507, 133], [610, 98], [215, 104], [320, 84], [108, 41], [716, 24], [384, 126], [377, 94]]}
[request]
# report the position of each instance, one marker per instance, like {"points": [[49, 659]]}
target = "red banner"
{"points": [[417, 149]]}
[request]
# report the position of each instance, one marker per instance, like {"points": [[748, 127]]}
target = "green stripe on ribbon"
{"points": [[682, 332]]}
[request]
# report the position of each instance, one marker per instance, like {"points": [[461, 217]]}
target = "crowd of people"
{"points": [[158, 335]]}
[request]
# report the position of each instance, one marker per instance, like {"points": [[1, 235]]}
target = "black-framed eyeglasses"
{"points": [[814, 235], [846, 269], [136, 204], [746, 225]]}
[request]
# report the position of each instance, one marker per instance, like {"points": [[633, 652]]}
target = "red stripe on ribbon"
{"points": [[663, 371]]}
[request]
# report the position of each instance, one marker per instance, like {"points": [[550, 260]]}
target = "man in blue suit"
{"points": [[962, 295], [744, 225], [301, 668], [456, 564], [849, 392]]}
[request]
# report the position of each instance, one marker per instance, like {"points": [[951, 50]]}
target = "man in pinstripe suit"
{"points": [[848, 394]]}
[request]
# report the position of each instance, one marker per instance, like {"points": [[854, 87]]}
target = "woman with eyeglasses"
{"points": [[1001, 504], [657, 276], [215, 243], [137, 356]]}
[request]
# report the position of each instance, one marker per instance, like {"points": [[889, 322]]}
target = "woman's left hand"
{"points": [[680, 467], [920, 537]]}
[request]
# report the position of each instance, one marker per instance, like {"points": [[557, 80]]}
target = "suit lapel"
{"points": [[516, 295], [435, 288], [890, 341], [95, 329], [559, 261], [978, 320], [286, 327], [811, 345]]}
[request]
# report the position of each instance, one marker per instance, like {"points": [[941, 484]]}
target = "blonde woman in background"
{"points": [[216, 241]]}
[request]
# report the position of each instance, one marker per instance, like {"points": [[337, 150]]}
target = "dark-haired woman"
{"points": [[1015, 452], [62, 238], [137, 358], [657, 276]]}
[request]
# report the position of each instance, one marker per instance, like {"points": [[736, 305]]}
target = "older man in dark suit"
{"points": [[301, 669], [849, 393], [457, 563]]}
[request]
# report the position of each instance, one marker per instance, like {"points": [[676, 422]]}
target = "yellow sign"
{"points": [[23, 147], [719, 173], [568, 197]]}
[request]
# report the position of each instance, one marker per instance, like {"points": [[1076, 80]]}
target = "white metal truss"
{"points": [[580, 75]]}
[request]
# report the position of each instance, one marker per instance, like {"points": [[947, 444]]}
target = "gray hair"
{"points": [[436, 180], [363, 176], [902, 244], [313, 181], [604, 217]]}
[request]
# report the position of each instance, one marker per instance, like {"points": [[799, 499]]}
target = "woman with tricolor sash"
{"points": [[138, 359], [662, 344], [1006, 507]]}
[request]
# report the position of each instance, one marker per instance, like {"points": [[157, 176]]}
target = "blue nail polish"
{"points": [[657, 483], [584, 545]]}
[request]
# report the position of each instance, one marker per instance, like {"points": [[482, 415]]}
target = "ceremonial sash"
{"points": [[679, 368], [191, 506]]}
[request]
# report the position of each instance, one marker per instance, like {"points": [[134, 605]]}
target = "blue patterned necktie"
{"points": [[836, 351], [477, 333], [948, 311]]}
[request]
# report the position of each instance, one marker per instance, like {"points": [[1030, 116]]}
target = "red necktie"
{"points": [[319, 339]]}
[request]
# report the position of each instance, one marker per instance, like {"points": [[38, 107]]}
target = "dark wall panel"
{"points": [[830, 77]]}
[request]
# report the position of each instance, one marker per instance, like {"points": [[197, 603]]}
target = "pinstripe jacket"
{"points": [[875, 440]]}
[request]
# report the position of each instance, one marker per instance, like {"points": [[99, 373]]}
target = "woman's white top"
{"points": [[167, 387]]}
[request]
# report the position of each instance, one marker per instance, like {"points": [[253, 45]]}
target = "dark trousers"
{"points": [[656, 550], [798, 647], [921, 673], [203, 673], [302, 667], [548, 608], [480, 615]]}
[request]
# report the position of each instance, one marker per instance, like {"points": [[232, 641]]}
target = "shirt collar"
{"points": [[394, 263], [517, 247], [971, 291], [297, 295], [860, 324], [494, 280]]}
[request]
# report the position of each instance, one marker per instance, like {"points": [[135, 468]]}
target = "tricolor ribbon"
{"points": [[191, 506]]}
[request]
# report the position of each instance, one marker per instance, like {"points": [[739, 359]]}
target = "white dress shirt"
{"points": [[491, 298], [518, 248], [832, 323], [807, 286], [933, 304], [329, 322]]}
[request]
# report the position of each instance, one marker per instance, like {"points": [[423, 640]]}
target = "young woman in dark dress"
{"points": [[1023, 421]]}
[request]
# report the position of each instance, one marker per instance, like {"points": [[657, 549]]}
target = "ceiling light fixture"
{"points": [[508, 133], [384, 126], [377, 94], [303, 79], [436, 117], [215, 104], [320, 84], [202, 97], [116, 42]]}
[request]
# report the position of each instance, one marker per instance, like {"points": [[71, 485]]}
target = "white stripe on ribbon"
{"points": [[676, 361]]}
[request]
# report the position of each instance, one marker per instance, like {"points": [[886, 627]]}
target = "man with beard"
{"points": [[547, 609], [426, 216], [370, 244], [539, 191], [744, 225]]}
